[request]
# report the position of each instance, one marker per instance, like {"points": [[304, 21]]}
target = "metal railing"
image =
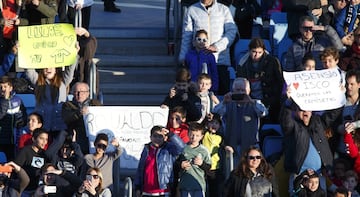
{"points": [[173, 37], [128, 187]]}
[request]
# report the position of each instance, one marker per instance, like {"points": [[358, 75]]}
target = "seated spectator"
{"points": [[350, 182], [350, 59], [8, 61], [242, 132], [177, 123], [104, 160], [253, 176], [342, 192], [184, 94], [311, 40], [9, 185], [338, 173], [65, 153], [263, 71], [308, 62], [57, 183], [347, 21], [155, 170], [93, 185], [31, 158], [199, 61], [35, 121], [73, 113], [12, 117], [208, 98], [307, 184]]}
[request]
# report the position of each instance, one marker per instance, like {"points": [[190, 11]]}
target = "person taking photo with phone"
{"points": [[10, 186], [242, 116]]}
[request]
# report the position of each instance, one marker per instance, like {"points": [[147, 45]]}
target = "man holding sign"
{"points": [[305, 142]]}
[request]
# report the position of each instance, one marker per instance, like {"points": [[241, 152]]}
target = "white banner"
{"points": [[317, 90], [131, 125]]}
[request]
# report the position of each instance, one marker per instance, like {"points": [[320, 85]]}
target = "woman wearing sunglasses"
{"points": [[253, 177], [93, 186]]}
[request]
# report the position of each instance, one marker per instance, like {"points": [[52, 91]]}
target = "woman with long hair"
{"points": [[253, 177], [92, 186]]}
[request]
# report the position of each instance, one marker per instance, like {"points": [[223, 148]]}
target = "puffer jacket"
{"points": [[217, 21], [165, 158]]}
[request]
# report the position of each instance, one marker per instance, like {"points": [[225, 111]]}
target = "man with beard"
{"points": [[12, 187]]}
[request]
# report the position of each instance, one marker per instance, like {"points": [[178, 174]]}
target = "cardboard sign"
{"points": [[317, 90], [130, 125], [46, 46]]}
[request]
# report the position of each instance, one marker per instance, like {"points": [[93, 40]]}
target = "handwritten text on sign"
{"points": [[316, 90], [131, 125], [45, 46]]}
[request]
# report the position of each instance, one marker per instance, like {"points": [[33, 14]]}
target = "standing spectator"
{"points": [[50, 93], [102, 160], [253, 176], [265, 76], [9, 185], [109, 6], [31, 158], [154, 174], [350, 59], [208, 98], [213, 141], [79, 11], [305, 143], [12, 117], [246, 11], [177, 123], [308, 184], [198, 60], [195, 162], [184, 93], [352, 141], [351, 182], [41, 12], [217, 20], [73, 113], [347, 21], [242, 116], [310, 42], [93, 185]]}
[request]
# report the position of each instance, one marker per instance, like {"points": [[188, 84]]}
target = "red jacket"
{"points": [[182, 132], [353, 151]]}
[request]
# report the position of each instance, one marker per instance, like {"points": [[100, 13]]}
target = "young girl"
{"points": [[35, 121], [213, 141], [93, 185], [51, 92]]}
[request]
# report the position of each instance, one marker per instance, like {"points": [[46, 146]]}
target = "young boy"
{"points": [[177, 123], [31, 158], [308, 183], [350, 182], [198, 61], [184, 94], [155, 171], [208, 98], [12, 117], [102, 160], [195, 162], [330, 59]]}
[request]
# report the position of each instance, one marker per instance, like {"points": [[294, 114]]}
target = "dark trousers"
{"points": [[224, 80], [85, 15]]}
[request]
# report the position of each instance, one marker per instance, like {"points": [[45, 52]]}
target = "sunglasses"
{"points": [[254, 157], [198, 39], [94, 176], [305, 28], [101, 146]]}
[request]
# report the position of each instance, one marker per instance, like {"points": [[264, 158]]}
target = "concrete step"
{"points": [[136, 75], [136, 88], [133, 99], [135, 60]]}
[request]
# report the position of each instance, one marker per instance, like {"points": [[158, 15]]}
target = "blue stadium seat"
{"points": [[275, 127], [3, 158], [272, 145], [29, 101]]}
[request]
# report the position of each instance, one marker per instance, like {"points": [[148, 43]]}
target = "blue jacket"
{"points": [[340, 20], [165, 158], [194, 60], [7, 63]]}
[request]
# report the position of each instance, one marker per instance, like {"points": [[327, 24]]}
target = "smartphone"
{"points": [[237, 97], [6, 169], [88, 177], [49, 189]]}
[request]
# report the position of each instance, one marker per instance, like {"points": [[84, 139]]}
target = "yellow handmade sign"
{"points": [[46, 46]]}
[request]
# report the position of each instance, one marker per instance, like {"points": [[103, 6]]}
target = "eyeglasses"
{"points": [[101, 146], [198, 39], [80, 92], [94, 176], [307, 28], [254, 157]]}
